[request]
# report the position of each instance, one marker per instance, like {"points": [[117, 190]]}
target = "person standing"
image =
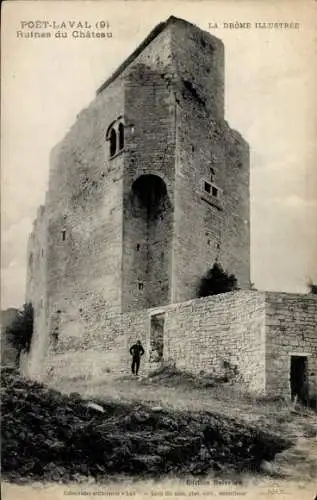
{"points": [[136, 351]]}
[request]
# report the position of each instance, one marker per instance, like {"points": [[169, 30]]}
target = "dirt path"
{"points": [[224, 400], [179, 397]]}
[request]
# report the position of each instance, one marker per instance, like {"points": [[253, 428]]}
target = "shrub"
{"points": [[215, 281], [312, 288], [21, 328]]}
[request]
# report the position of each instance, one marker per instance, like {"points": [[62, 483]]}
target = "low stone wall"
{"points": [[214, 335], [220, 333], [96, 354], [291, 330], [250, 335]]}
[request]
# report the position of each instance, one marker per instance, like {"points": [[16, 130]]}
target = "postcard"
{"points": [[159, 240]]}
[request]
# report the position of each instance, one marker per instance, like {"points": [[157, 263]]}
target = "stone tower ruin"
{"points": [[148, 189]]}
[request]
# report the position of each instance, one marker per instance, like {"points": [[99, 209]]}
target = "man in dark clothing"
{"points": [[136, 352]]}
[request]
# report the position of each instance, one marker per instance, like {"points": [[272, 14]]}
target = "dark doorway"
{"points": [[299, 381], [157, 338]]}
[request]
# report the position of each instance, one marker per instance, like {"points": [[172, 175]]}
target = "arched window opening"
{"points": [[113, 142], [121, 136], [115, 135]]}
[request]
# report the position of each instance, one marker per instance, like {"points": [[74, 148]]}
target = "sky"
{"points": [[270, 76]]}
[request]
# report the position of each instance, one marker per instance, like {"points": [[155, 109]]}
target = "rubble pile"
{"points": [[50, 436]]}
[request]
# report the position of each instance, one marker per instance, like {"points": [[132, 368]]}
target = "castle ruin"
{"points": [[148, 190]]}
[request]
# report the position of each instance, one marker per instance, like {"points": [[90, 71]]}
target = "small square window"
{"points": [[207, 187], [140, 286]]}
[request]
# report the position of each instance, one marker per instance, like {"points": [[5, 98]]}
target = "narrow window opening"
{"points": [[113, 142], [121, 136], [212, 174], [140, 285], [207, 187], [214, 191], [42, 252], [208, 242], [55, 337], [64, 234], [138, 247]]}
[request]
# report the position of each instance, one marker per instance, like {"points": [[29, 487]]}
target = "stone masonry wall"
{"points": [[252, 333], [208, 227], [84, 203], [84, 206], [36, 292], [291, 329], [207, 335], [147, 238], [95, 252], [227, 329]]}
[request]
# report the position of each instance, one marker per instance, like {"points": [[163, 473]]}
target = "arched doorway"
{"points": [[151, 222], [150, 193]]}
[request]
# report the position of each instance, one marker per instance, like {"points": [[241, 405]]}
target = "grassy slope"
{"points": [[179, 391], [297, 464]]}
